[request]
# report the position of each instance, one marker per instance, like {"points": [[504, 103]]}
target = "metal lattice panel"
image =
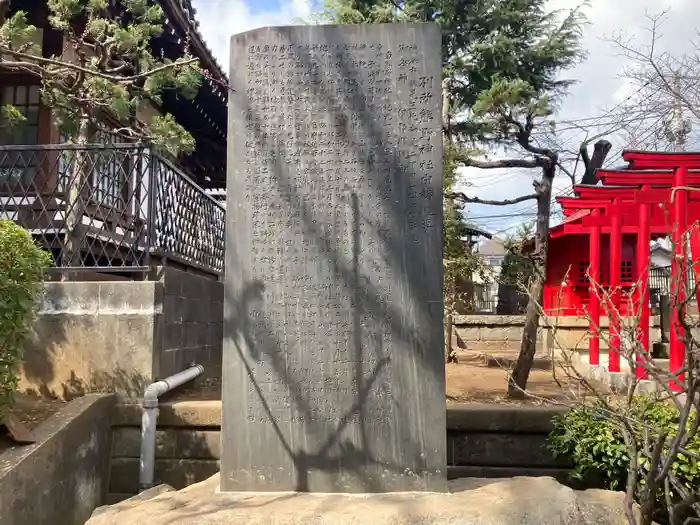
{"points": [[189, 224]]}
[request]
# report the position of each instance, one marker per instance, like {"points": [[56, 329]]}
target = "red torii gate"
{"points": [[647, 200]]}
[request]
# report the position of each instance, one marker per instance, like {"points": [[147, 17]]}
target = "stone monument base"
{"points": [[522, 501]]}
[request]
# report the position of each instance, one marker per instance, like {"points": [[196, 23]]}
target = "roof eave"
{"points": [[189, 26]]}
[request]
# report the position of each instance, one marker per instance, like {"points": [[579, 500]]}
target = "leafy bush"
{"points": [[595, 444], [22, 265]]}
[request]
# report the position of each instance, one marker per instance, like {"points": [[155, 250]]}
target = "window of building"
{"points": [[494, 261], [26, 99], [107, 169], [19, 166], [109, 178]]}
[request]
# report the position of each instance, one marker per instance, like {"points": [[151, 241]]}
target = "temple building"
{"points": [[599, 257], [137, 209]]}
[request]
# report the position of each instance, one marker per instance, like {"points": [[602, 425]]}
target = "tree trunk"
{"points": [[447, 132], [600, 152], [449, 329], [448, 320], [528, 345], [75, 202]]}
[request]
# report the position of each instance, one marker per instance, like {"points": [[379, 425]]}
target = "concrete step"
{"points": [[584, 358]]}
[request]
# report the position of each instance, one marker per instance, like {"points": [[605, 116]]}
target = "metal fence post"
{"points": [[152, 189]]}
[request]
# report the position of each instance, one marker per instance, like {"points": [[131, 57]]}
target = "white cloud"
{"points": [[220, 19]]}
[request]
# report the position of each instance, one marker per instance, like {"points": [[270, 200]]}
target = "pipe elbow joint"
{"points": [[149, 401], [151, 394]]}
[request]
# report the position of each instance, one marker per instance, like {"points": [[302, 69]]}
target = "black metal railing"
{"points": [[110, 206], [660, 283]]}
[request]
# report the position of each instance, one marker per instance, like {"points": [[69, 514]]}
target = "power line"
{"points": [[639, 115]]}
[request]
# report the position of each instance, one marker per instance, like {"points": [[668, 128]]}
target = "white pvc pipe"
{"points": [[149, 420]]}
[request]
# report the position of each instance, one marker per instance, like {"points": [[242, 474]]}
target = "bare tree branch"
{"points": [[30, 61], [499, 163], [461, 197]]}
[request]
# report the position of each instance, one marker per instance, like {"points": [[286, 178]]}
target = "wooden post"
{"points": [[643, 235], [593, 290], [614, 289], [678, 277]]}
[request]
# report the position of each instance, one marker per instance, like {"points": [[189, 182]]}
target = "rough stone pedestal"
{"points": [[517, 501]]}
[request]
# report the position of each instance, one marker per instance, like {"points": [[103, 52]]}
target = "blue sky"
{"points": [[599, 85]]}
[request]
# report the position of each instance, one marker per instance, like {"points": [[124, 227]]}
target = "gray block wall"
{"points": [[191, 327]]}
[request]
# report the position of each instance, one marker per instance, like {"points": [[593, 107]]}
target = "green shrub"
{"points": [[595, 444], [22, 266]]}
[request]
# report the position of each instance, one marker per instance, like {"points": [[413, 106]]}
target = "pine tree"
{"points": [[111, 74]]}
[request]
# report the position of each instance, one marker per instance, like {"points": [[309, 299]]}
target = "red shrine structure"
{"points": [[605, 239]]}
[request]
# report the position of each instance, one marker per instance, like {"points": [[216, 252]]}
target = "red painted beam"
{"points": [[643, 177], [575, 203], [657, 221], [660, 215], [634, 173], [656, 180], [654, 195], [579, 229], [655, 160], [605, 192]]}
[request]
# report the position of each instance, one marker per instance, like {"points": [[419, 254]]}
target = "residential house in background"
{"points": [[137, 209], [660, 254], [492, 252], [660, 259]]}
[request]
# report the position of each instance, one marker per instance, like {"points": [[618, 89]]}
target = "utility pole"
{"points": [[676, 127]]}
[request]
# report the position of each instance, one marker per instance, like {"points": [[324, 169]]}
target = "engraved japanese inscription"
{"points": [[333, 376]]}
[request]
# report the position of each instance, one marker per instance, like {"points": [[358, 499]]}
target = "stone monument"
{"points": [[333, 373]]}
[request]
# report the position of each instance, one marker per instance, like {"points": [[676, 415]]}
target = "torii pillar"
{"points": [[643, 236], [679, 198]]}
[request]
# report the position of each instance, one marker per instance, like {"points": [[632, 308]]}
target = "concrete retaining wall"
{"points": [[120, 336], [491, 333], [500, 441], [572, 333], [502, 333], [62, 478], [483, 441], [188, 446]]}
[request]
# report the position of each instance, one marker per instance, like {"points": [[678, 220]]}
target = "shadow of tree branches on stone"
{"points": [[383, 306]]}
